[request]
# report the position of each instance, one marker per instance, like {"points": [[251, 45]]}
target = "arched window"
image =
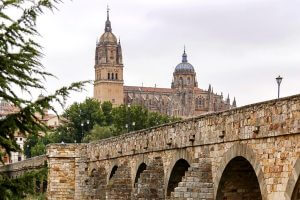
{"points": [[189, 80], [117, 76], [108, 76], [112, 76]]}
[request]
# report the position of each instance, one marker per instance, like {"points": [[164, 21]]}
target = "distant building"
{"points": [[51, 120], [183, 99]]}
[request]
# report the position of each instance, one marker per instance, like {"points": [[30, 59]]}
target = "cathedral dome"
{"points": [[108, 37], [184, 66]]}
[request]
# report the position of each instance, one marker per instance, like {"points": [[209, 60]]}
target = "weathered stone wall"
{"points": [[266, 135], [67, 171], [19, 168]]}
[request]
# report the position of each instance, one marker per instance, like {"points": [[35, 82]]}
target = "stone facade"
{"points": [[251, 152], [183, 99]]}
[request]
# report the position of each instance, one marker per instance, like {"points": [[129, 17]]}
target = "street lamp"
{"points": [[278, 80], [82, 129], [127, 116]]}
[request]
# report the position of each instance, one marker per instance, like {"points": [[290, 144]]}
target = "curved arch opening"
{"points": [[296, 192], [178, 171], [140, 170], [113, 171], [239, 181]]}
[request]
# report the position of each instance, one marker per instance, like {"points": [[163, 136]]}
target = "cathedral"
{"points": [[184, 98]]}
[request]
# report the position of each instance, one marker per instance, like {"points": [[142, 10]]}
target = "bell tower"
{"points": [[108, 84]]}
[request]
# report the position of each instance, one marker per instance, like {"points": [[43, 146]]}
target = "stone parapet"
{"points": [[251, 151], [19, 168], [262, 120]]}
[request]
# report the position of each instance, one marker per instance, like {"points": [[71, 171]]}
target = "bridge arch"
{"points": [[179, 154], [176, 175], [140, 159], [247, 155], [113, 171], [293, 183], [142, 167]]}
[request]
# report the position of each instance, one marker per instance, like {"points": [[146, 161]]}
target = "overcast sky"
{"points": [[238, 46]]}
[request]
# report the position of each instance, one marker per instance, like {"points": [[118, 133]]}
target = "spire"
{"points": [[184, 56], [234, 103], [119, 52], [107, 13], [228, 99], [107, 23], [209, 88]]}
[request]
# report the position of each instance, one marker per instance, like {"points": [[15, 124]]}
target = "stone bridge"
{"points": [[247, 153]]}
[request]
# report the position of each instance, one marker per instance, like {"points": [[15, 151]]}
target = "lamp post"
{"points": [[133, 124], [127, 118], [81, 130], [82, 124], [278, 80]]}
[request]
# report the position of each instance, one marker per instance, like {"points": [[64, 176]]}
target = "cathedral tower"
{"points": [[184, 83], [108, 85]]}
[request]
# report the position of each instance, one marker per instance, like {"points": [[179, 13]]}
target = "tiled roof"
{"points": [[147, 89]]}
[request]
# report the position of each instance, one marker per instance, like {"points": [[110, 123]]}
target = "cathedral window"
{"points": [[181, 81], [112, 55], [117, 76], [112, 76], [189, 80], [108, 76]]}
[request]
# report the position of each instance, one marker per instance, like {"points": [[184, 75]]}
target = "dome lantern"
{"points": [[184, 66]]}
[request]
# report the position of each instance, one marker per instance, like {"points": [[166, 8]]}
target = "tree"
{"points": [[107, 108], [21, 70], [135, 117], [22, 73], [38, 149], [80, 119], [38, 143], [99, 132]]}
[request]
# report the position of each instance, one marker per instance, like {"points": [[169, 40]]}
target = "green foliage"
{"points": [[106, 109], [80, 119], [21, 70], [36, 197], [99, 132], [36, 145], [136, 117], [38, 149], [121, 119], [18, 188]]}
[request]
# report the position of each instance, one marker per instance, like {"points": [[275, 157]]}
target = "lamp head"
{"points": [[279, 79]]}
